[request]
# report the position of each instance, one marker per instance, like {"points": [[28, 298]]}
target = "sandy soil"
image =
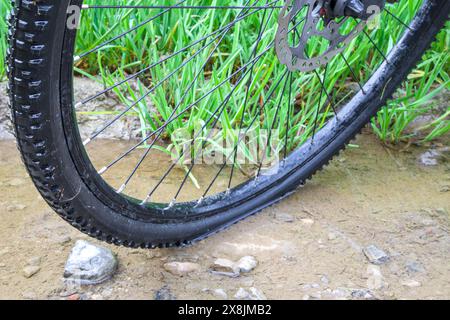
{"points": [[369, 195]]}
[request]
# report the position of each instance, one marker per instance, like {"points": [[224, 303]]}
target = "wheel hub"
{"points": [[323, 19]]}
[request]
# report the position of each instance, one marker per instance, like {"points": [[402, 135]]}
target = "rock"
{"points": [[181, 269], [362, 294], [89, 264], [251, 294], [242, 294], [256, 294], [442, 212], [64, 240], [30, 271], [341, 293], [332, 236], [73, 297], [307, 222], [414, 267], [411, 283], [310, 286], [225, 267], [246, 264], [375, 255], [430, 158], [445, 189], [375, 280], [15, 207], [68, 291], [316, 296], [284, 217], [29, 295], [325, 280], [220, 293], [34, 262], [97, 297], [164, 294]]}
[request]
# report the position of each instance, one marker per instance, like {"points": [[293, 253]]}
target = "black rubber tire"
{"points": [[39, 69]]}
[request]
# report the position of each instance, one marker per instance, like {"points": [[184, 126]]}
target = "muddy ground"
{"points": [[310, 246], [307, 247]]}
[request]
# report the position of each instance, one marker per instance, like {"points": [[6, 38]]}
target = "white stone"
{"points": [[181, 269], [246, 264]]}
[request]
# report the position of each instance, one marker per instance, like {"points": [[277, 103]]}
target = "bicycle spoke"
{"points": [[376, 47], [86, 6], [235, 150], [323, 89], [250, 81], [398, 19], [123, 34], [355, 78], [273, 122], [104, 169], [186, 92], [322, 83], [220, 108], [165, 59], [204, 75], [288, 117], [263, 26]]}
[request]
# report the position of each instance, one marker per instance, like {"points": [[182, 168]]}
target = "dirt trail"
{"points": [[367, 196]]}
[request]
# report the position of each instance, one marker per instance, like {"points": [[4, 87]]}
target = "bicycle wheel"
{"points": [[227, 108]]}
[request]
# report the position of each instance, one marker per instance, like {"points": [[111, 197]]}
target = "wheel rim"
{"points": [[286, 164]]}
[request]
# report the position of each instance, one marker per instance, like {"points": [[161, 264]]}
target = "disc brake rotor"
{"points": [[314, 25]]}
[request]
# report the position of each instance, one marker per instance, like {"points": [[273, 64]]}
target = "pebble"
{"points": [[89, 264], [284, 217], [35, 261], [325, 280], [308, 222], [73, 297], [257, 294], [442, 212], [97, 297], [30, 271], [225, 267], [220, 293], [64, 240], [181, 269], [250, 294], [414, 267], [375, 255], [375, 280], [332, 236], [316, 296], [430, 158], [411, 283], [29, 295], [15, 207], [246, 264], [164, 294], [362, 294]]}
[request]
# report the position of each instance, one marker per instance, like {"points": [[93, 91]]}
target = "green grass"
{"points": [[4, 7], [172, 32]]}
